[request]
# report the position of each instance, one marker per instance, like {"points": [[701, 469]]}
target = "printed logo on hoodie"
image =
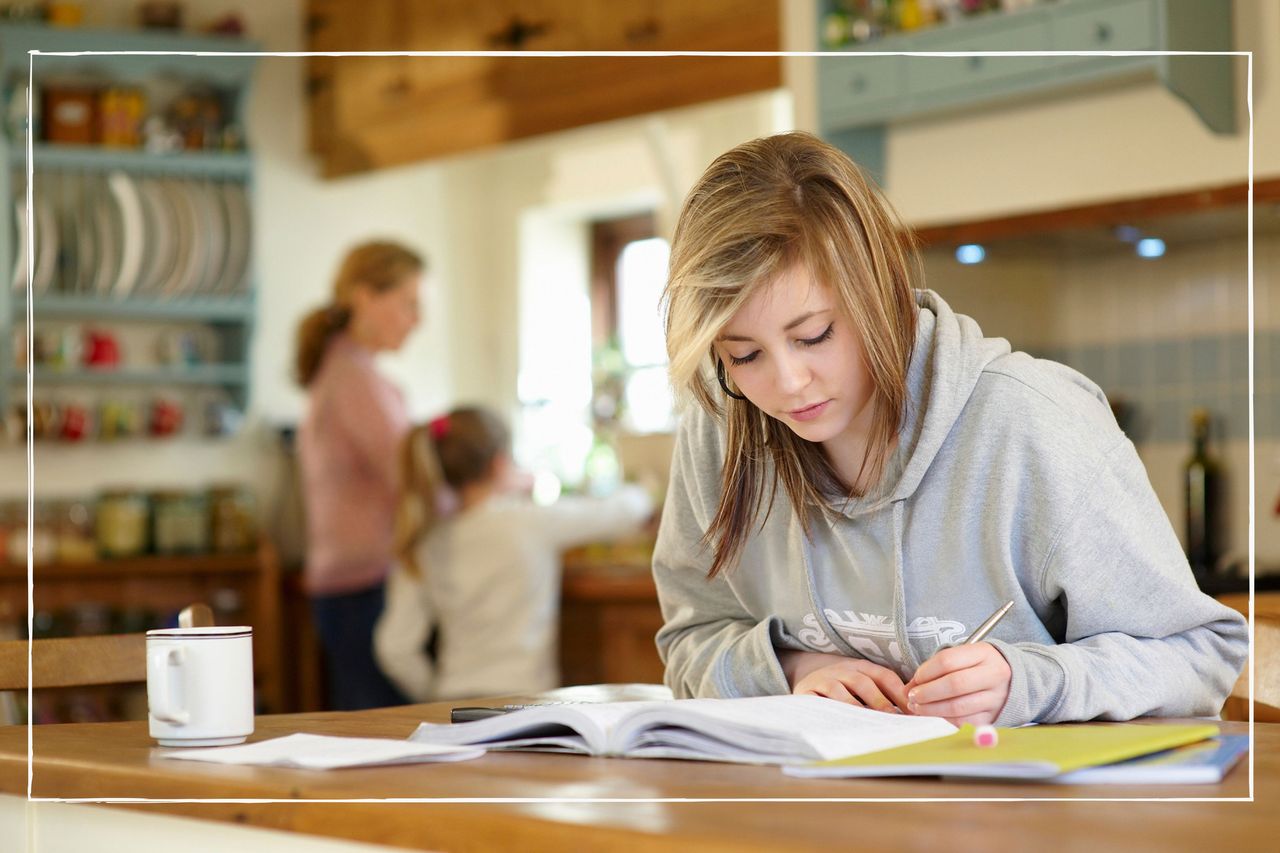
{"points": [[874, 637]]}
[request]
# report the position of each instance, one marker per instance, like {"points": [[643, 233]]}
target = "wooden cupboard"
{"points": [[370, 112], [162, 585]]}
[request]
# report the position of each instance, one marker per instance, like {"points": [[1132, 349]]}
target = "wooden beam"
{"points": [[1100, 215]]}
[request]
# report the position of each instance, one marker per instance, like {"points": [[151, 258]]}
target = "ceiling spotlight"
{"points": [[970, 253], [1150, 247]]}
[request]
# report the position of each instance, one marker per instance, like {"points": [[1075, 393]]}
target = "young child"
{"points": [[872, 478], [486, 579]]}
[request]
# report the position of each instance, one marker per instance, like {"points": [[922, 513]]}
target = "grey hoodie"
{"points": [[1011, 480]]}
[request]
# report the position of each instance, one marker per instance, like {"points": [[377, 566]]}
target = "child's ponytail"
{"points": [[444, 454], [422, 482]]}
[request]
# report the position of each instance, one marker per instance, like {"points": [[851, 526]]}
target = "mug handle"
{"points": [[158, 686]]}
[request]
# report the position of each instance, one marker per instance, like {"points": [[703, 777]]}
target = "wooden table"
{"points": [[108, 760]]}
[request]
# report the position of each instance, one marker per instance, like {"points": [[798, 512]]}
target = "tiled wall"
{"points": [[1166, 334], [1163, 380]]}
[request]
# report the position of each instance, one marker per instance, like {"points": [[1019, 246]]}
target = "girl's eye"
{"points": [[825, 336], [746, 359]]}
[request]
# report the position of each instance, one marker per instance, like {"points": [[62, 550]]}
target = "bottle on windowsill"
{"points": [[1202, 478]]}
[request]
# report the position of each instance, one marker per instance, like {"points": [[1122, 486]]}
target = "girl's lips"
{"points": [[809, 413]]}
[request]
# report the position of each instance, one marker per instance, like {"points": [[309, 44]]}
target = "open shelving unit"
{"points": [[230, 315]]}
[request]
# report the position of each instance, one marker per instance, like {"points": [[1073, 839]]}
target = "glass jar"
{"points": [[179, 522], [75, 541], [235, 527], [43, 541], [12, 517], [122, 523]]}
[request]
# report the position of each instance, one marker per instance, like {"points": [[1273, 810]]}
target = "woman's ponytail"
{"points": [[314, 333]]}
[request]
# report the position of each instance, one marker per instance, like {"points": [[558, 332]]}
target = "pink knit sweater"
{"points": [[348, 444]]}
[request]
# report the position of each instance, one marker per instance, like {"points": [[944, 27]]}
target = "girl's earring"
{"points": [[723, 383]]}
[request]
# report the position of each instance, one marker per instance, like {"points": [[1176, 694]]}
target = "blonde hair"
{"points": [[451, 451], [757, 210], [380, 265]]}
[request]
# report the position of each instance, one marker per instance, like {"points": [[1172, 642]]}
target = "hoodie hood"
{"points": [[949, 356]]}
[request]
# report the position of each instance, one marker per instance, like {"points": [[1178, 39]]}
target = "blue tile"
{"points": [[1267, 415], [1236, 416], [1237, 346], [1168, 420], [1206, 360], [1266, 365], [1089, 361], [1168, 364], [1133, 365]]}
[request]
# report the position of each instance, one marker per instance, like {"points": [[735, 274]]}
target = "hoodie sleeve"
{"points": [[1140, 637], [711, 645]]}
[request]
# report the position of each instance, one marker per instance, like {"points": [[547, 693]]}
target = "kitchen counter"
{"points": [[609, 615]]}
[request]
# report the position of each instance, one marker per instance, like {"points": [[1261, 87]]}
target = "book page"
{"points": [[591, 721], [324, 752], [809, 725]]}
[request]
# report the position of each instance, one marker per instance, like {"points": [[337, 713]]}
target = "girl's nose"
{"points": [[793, 374]]}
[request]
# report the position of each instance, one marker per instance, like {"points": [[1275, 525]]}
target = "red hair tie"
{"points": [[439, 427]]}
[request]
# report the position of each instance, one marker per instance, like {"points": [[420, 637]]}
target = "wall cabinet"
{"points": [[858, 95], [373, 112]]}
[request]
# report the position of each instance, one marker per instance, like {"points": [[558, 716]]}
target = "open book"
{"points": [[757, 730]]}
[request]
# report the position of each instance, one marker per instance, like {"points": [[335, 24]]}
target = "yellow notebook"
{"points": [[1034, 752]]}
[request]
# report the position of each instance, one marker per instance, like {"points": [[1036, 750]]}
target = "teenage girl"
{"points": [[486, 579], [867, 478]]}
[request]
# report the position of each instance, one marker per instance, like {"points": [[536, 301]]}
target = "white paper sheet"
{"points": [[326, 752]]}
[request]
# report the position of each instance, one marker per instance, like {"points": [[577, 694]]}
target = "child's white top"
{"points": [[490, 582]]}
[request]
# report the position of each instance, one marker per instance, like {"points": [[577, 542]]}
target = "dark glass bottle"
{"points": [[1203, 479]]}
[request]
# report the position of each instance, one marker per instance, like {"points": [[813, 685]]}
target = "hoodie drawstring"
{"points": [[899, 598]]}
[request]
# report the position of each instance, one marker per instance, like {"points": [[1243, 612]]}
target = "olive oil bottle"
{"points": [[1202, 477]]}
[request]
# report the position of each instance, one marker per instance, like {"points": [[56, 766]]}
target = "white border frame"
{"points": [[637, 54]]}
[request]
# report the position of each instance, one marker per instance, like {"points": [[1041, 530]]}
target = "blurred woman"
{"points": [[348, 442], [486, 580]]}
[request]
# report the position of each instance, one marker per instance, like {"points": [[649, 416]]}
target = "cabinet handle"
{"points": [[317, 84], [315, 23], [975, 63], [398, 88], [1102, 32], [859, 84]]}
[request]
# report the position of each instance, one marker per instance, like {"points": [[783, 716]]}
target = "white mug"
{"points": [[200, 685]]}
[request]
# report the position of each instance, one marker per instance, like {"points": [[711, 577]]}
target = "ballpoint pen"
{"points": [[985, 627]]}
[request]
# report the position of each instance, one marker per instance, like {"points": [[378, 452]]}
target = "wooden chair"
{"points": [[1266, 685], [74, 661]]}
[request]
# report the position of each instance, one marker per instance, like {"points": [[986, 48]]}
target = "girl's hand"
{"points": [[855, 682], [964, 684]]}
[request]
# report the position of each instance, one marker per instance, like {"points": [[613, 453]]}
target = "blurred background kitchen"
{"points": [[190, 210]]}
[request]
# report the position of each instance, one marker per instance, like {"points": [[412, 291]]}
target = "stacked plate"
{"points": [[117, 235]]}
